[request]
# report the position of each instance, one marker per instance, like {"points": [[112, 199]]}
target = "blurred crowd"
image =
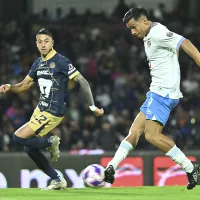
{"points": [[114, 63]]}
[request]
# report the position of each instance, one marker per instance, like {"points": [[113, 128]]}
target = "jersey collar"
{"points": [[152, 25], [49, 55]]}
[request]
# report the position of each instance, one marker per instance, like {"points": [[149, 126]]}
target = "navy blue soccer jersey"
{"points": [[52, 75]]}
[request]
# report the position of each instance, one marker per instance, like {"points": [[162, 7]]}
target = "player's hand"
{"points": [[98, 112], [4, 88]]}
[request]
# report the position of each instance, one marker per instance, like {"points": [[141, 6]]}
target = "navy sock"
{"points": [[51, 172], [34, 142], [41, 161]]}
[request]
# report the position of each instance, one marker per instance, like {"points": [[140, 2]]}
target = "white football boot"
{"points": [[54, 149], [55, 185]]}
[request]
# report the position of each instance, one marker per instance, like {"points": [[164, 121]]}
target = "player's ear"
{"points": [[36, 41], [145, 20], [52, 42]]}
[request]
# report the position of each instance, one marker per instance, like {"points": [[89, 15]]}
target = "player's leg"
{"points": [[153, 134], [42, 163], [31, 134], [128, 144], [165, 144], [159, 109], [38, 127], [25, 136]]}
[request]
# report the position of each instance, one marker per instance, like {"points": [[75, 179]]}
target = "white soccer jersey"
{"points": [[161, 47]]}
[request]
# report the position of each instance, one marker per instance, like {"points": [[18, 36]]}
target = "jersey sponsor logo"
{"points": [[52, 65], [44, 72], [169, 34], [71, 68]]}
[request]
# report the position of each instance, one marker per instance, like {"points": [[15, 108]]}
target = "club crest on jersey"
{"points": [[148, 42], [169, 34], [52, 65]]}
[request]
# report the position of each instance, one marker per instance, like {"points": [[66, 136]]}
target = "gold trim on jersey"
{"points": [[49, 55], [74, 74], [29, 77]]}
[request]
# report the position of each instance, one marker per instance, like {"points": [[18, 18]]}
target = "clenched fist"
{"points": [[5, 88], [98, 112]]}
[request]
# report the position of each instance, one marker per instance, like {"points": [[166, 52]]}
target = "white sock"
{"points": [[121, 153], [180, 158]]}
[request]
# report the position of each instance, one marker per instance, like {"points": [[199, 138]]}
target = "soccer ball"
{"points": [[93, 176]]}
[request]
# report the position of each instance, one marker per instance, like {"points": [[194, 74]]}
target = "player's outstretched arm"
{"points": [[191, 50], [85, 88], [19, 87]]}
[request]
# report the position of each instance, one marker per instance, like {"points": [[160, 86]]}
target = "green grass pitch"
{"points": [[133, 193]]}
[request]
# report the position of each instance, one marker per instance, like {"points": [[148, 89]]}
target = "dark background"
{"points": [[114, 63]]}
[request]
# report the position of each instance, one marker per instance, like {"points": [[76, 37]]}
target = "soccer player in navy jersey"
{"points": [[51, 71]]}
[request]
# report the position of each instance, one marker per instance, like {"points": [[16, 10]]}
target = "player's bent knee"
{"points": [[25, 132], [19, 133], [17, 140], [134, 135]]}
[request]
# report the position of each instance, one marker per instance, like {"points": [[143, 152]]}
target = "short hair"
{"points": [[45, 31], [135, 13]]}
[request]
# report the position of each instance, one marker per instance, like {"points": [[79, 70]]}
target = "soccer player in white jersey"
{"points": [[161, 47]]}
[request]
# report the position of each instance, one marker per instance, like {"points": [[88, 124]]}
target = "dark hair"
{"points": [[135, 13], [44, 31]]}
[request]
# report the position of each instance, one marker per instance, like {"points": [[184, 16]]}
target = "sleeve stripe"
{"points": [[74, 74], [179, 43]]}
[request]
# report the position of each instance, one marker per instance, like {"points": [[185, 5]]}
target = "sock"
{"points": [[121, 153], [42, 163], [51, 172], [34, 142], [179, 157]]}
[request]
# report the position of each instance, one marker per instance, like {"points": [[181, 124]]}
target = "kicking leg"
{"points": [[153, 134], [43, 164], [128, 144], [25, 136]]}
